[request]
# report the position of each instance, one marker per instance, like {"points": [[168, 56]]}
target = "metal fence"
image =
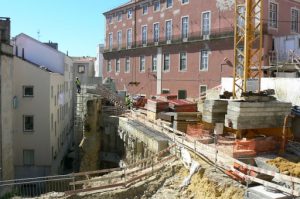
{"points": [[66, 185]]}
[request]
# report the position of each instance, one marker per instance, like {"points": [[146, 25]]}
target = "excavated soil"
{"points": [[285, 166]]}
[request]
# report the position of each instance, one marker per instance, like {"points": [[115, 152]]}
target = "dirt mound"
{"points": [[286, 166]]}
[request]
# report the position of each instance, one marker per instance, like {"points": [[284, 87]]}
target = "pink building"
{"points": [[181, 46]]}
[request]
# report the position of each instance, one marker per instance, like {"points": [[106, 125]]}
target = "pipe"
{"points": [[284, 134]]}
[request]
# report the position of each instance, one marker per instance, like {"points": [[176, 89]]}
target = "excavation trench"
{"points": [[111, 142]]}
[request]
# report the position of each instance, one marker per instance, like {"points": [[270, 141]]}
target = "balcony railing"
{"points": [[177, 39]]}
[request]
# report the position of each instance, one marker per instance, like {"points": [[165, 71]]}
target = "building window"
{"points": [[205, 24], [273, 15], [142, 63], [156, 6], [119, 39], [169, 30], [166, 62], [81, 69], [165, 91], [110, 19], [295, 20], [129, 14], [117, 65], [185, 27], [169, 3], [27, 91], [109, 66], [183, 61], [110, 41], [241, 20], [129, 38], [28, 157], [184, 1], [51, 91], [127, 65], [154, 63], [120, 16], [145, 9], [182, 94], [144, 35], [28, 125], [202, 90], [204, 60], [156, 32]]}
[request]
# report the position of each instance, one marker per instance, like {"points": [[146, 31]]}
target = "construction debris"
{"points": [[285, 166]]}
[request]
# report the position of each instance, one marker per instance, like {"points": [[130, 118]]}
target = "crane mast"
{"points": [[248, 50]]}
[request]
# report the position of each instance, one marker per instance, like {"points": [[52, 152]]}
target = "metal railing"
{"points": [[66, 185], [175, 39]]}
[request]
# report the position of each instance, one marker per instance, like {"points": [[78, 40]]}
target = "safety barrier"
{"points": [[220, 158]]}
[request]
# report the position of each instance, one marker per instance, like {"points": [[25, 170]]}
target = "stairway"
{"points": [[111, 96]]}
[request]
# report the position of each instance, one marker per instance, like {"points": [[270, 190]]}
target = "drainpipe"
{"points": [[1, 154], [284, 133]]}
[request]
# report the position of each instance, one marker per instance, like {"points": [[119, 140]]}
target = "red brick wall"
{"points": [[191, 79]]}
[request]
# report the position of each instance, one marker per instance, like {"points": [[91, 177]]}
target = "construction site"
{"points": [[239, 139]]}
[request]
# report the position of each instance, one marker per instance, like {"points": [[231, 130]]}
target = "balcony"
{"points": [[177, 39]]}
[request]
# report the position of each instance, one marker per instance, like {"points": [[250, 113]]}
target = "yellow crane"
{"points": [[248, 41]]}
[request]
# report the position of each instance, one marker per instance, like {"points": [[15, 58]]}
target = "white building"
{"points": [[99, 61], [84, 69], [43, 112]]}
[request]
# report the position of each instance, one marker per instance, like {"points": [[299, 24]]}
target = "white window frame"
{"points": [[145, 8], [167, 31], [164, 58], [158, 6], [119, 39], [110, 40], [28, 130], [202, 85], [127, 65], [28, 86], [154, 60], [186, 61], [187, 30], [270, 24], [117, 66], [129, 44], [201, 52], [170, 6], [209, 23], [144, 39], [154, 32], [129, 13], [295, 22], [142, 64]]}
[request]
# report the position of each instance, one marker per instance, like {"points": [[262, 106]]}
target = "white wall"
{"points": [[286, 89], [6, 118], [26, 73], [39, 53]]}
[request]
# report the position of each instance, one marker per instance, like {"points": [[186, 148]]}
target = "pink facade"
{"points": [[199, 51]]}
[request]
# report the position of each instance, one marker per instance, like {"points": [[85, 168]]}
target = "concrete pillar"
{"points": [[139, 150], [159, 71]]}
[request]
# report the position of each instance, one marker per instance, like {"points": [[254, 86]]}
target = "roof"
{"points": [[131, 2], [41, 43]]}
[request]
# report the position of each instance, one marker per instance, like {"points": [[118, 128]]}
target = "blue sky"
{"points": [[76, 25]]}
